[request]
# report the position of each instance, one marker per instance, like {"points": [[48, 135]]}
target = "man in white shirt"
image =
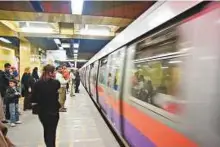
{"points": [[62, 90]]}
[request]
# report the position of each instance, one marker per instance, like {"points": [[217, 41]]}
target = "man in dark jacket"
{"points": [[5, 77]]}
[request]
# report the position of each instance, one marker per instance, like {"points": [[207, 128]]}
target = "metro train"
{"points": [[161, 88]]}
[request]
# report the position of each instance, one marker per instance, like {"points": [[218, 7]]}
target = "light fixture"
{"points": [[75, 45], [57, 41], [4, 40], [75, 55], [95, 32], [77, 6], [175, 61], [37, 30], [65, 45], [75, 51]]}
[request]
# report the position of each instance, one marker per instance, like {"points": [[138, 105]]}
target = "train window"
{"points": [[118, 59], [114, 67], [102, 70], [156, 72]]}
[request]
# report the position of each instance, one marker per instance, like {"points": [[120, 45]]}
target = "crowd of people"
{"points": [[45, 95]]}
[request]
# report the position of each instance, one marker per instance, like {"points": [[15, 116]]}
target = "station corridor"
{"points": [[81, 126]]}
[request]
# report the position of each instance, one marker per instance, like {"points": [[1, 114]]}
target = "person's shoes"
{"points": [[12, 124], [18, 122], [4, 121], [62, 110]]}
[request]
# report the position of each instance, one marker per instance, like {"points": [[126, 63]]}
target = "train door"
{"points": [[90, 79], [87, 78], [115, 68], [93, 80], [102, 84]]}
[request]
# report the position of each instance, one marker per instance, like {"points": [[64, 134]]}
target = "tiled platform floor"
{"points": [[80, 126]]}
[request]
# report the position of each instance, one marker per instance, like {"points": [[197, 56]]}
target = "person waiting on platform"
{"points": [[77, 82], [15, 73], [35, 74], [62, 90], [12, 97], [66, 75], [72, 82], [27, 84], [4, 78], [45, 98]]}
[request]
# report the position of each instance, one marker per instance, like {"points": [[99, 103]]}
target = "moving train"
{"points": [[157, 82]]}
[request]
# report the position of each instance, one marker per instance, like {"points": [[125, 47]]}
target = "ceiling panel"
{"points": [[16, 6], [123, 9], [57, 6], [92, 46], [87, 48], [44, 43]]}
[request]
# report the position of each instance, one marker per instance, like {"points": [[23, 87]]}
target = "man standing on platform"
{"points": [[62, 90], [5, 77], [66, 75]]}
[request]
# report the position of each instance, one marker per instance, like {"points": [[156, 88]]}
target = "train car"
{"points": [[159, 86]]}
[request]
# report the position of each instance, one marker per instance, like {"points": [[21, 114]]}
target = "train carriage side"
{"points": [[93, 80], [157, 72]]}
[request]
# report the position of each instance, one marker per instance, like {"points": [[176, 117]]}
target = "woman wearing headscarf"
{"points": [[35, 74], [27, 82]]}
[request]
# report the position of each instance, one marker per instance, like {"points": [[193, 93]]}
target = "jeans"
{"points": [[49, 122], [14, 114]]}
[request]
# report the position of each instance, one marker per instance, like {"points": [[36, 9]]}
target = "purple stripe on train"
{"points": [[134, 137], [102, 103]]}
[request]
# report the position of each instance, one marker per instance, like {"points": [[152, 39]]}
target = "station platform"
{"points": [[81, 126]]}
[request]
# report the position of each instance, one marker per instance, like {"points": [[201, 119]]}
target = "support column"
{"points": [[25, 55], [75, 63]]}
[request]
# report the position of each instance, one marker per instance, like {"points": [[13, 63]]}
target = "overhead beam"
{"points": [[66, 18], [75, 36]]}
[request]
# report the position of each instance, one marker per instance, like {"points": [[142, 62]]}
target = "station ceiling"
{"points": [[111, 15]]}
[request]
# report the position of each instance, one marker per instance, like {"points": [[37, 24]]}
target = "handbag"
{"points": [[35, 108]]}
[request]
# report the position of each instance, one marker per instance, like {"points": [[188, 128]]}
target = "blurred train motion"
{"points": [[162, 88]]}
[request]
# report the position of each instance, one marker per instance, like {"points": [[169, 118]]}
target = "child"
{"points": [[12, 98]]}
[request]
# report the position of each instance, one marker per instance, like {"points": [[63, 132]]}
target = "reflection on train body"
{"points": [[162, 89]]}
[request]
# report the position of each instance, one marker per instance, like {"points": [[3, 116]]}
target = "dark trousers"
{"points": [[67, 87], [6, 110], [27, 101], [77, 87], [49, 122]]}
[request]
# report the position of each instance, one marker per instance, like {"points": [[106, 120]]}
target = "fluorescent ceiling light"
{"points": [[57, 41], [36, 30], [75, 57], [175, 61], [77, 6], [75, 54], [76, 45], [4, 40], [95, 32], [75, 51], [65, 45]]}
